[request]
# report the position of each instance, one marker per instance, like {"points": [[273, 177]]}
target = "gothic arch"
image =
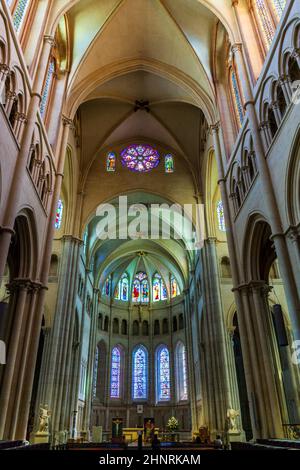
{"points": [[24, 248], [293, 182], [5, 40], [258, 251]]}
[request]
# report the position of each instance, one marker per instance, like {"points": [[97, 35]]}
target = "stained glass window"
{"points": [[181, 372], [139, 373], [115, 379], [140, 290], [140, 158], [106, 287], [159, 291], [220, 215], [111, 162], [136, 291], [95, 373], [85, 240], [145, 291], [122, 288], [174, 287], [163, 374], [236, 97], [169, 163], [279, 6], [265, 21], [20, 13], [47, 86], [59, 214]]}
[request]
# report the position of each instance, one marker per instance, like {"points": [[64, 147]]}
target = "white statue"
{"points": [[44, 419], [231, 418]]}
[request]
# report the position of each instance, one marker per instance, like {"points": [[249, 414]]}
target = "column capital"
{"points": [[214, 128], [283, 77], [211, 240], [274, 104], [236, 47], [49, 39], [67, 121], [4, 69], [293, 233], [21, 117], [7, 229], [69, 237], [296, 53], [242, 288], [260, 287], [24, 284], [11, 95]]}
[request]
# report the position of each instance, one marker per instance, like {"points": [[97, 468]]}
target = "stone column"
{"points": [[277, 113], [90, 364], [11, 98], [21, 378], [190, 360], [4, 72], [57, 374], [16, 187], [223, 392], [269, 196], [34, 340], [44, 280], [286, 88], [20, 287], [261, 314], [236, 280]]}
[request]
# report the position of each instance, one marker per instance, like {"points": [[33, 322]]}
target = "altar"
{"points": [[131, 434]]}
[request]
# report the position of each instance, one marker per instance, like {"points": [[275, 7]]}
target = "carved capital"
{"points": [[67, 122], [296, 53], [261, 288], [214, 128], [11, 95], [237, 47], [21, 117], [274, 104], [293, 233], [50, 40], [4, 69]]}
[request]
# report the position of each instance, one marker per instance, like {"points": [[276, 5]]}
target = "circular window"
{"points": [[140, 158]]}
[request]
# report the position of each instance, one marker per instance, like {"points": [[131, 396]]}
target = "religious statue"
{"points": [[231, 418], [44, 419]]}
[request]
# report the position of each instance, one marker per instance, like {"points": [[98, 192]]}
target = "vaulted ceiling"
{"points": [[155, 51], [159, 51]]}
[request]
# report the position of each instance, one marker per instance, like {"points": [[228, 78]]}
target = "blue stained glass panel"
{"points": [[115, 373], [220, 214], [19, 14], [140, 374], [237, 97], [47, 86], [59, 214], [163, 375]]}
